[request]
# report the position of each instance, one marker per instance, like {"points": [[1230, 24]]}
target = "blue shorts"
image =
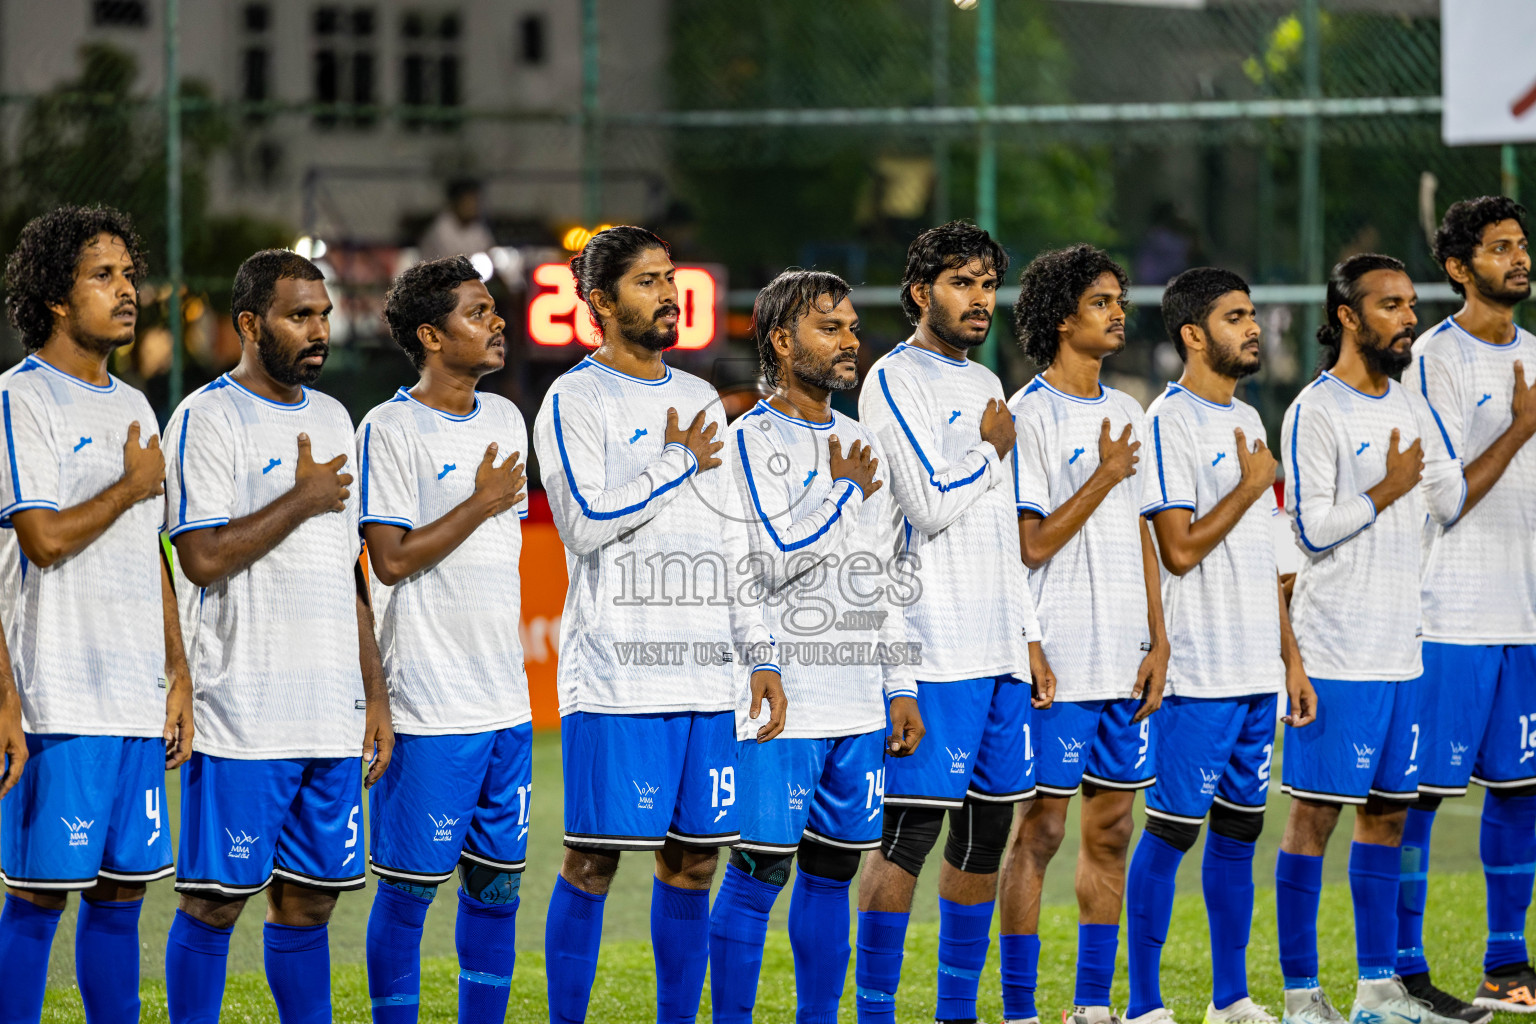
{"points": [[1095, 741], [86, 807], [977, 744], [450, 797], [633, 781], [245, 822], [829, 790], [1364, 743], [1477, 716], [1212, 750]]}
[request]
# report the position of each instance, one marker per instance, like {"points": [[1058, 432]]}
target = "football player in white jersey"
{"points": [[105, 694], [1231, 646], [1479, 595], [946, 439], [627, 451], [1355, 444], [281, 646], [1095, 579], [821, 533], [441, 487]]}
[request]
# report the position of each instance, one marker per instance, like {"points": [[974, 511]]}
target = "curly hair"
{"points": [[1461, 231], [41, 269], [1049, 290], [1191, 297], [944, 248], [607, 256], [1344, 289], [783, 302], [256, 281], [425, 294]]}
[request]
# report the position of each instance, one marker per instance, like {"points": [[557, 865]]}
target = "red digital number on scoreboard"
{"points": [[557, 317]]}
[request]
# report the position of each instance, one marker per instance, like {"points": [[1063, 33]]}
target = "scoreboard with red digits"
{"points": [[556, 317]]}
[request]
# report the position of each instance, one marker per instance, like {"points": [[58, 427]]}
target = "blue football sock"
{"points": [[394, 953], [1412, 890], [1298, 891], [882, 936], [818, 936], [572, 932], [107, 959], [1020, 955], [1226, 875], [1148, 908], [738, 926], [964, 934], [1096, 944], [680, 944], [1373, 887], [196, 959], [298, 962], [1508, 848], [26, 938], [485, 935]]}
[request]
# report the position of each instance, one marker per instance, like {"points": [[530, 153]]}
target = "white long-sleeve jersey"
{"points": [[973, 615], [647, 615], [449, 633], [1092, 594], [85, 633], [1480, 570], [1223, 615], [827, 572], [1355, 608]]}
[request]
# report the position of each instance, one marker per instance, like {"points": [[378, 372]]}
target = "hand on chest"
{"points": [[91, 458]]}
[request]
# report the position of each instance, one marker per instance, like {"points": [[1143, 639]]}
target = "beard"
{"points": [[288, 371], [1501, 292], [644, 331], [101, 344], [1381, 357], [816, 374], [949, 330], [1233, 363]]}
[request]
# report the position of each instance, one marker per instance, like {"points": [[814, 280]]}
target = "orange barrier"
{"points": [[544, 580]]}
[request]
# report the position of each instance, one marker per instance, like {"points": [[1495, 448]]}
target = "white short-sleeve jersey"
{"points": [[1479, 571], [1092, 594], [973, 616], [1222, 615], [449, 635], [1356, 608], [826, 574], [273, 649], [85, 634], [646, 626]]}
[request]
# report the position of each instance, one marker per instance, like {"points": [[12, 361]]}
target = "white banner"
{"points": [[1488, 71]]}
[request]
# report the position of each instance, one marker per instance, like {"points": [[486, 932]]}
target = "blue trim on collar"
{"points": [[626, 376], [402, 392], [34, 361], [287, 406], [796, 420]]}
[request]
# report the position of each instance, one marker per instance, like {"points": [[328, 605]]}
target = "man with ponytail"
{"points": [[1356, 445]]}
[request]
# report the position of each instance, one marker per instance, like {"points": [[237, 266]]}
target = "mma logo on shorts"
{"points": [[1208, 780], [442, 828], [79, 834], [957, 760], [1363, 755], [797, 795], [647, 793], [240, 846], [1071, 750]]}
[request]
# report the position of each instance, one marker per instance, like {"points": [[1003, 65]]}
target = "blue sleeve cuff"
{"points": [[404, 524], [200, 524], [767, 666]]}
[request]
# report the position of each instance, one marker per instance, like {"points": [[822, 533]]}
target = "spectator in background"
{"points": [[459, 229]]}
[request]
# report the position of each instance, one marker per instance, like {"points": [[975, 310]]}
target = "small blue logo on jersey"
{"points": [[954, 415], [83, 442], [808, 478], [271, 466], [1485, 398], [1363, 446], [639, 433], [1218, 458], [448, 467], [1075, 454]]}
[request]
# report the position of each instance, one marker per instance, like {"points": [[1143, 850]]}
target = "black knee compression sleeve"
{"points": [[978, 833], [829, 862], [1244, 826], [1180, 835], [1427, 802], [909, 833], [489, 885], [769, 868]]}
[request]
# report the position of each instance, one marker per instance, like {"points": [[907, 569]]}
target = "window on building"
{"points": [[256, 56], [345, 62], [120, 13], [430, 66], [531, 40]]}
